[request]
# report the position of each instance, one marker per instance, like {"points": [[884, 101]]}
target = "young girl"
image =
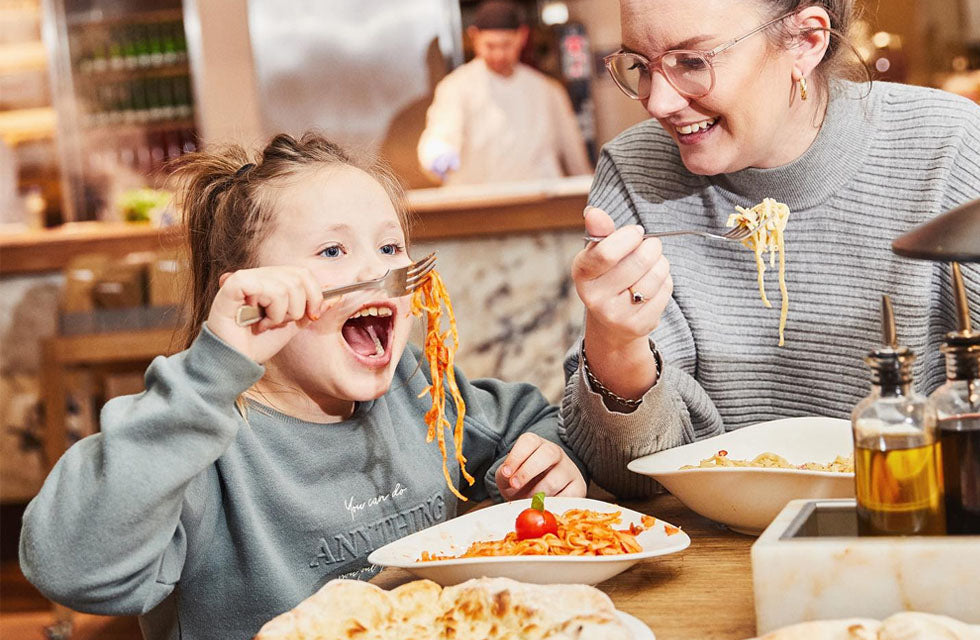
{"points": [[263, 461]]}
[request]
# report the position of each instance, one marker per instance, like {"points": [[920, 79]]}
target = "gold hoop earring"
{"points": [[803, 89]]}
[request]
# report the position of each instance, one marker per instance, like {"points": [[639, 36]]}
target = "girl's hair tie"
{"points": [[245, 167]]}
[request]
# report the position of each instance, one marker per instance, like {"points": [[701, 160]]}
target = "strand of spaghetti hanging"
{"points": [[767, 236], [430, 298]]}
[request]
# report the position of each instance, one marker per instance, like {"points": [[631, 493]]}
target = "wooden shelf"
{"points": [[130, 350], [440, 214], [23, 57], [88, 19], [174, 70], [127, 128], [27, 125], [44, 250]]}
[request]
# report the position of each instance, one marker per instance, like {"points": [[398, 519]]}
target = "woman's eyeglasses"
{"points": [[689, 71]]}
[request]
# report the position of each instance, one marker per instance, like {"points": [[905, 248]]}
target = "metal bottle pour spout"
{"points": [[962, 347], [891, 364]]}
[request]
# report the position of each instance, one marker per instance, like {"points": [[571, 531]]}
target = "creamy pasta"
{"points": [[841, 464], [768, 236]]}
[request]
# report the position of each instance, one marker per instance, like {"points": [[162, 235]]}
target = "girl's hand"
{"points": [[290, 296], [605, 271], [535, 464]]}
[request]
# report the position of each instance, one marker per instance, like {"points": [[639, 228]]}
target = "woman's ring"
{"points": [[636, 296]]}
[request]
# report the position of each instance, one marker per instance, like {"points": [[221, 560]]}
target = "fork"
{"points": [[737, 233], [395, 283]]}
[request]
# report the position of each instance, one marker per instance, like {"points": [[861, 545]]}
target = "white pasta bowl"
{"points": [[746, 499], [493, 523]]}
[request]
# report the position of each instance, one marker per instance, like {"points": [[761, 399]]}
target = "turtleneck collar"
{"points": [[835, 156]]}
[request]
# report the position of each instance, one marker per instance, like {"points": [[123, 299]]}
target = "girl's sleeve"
{"points": [[674, 411], [497, 413], [108, 533]]}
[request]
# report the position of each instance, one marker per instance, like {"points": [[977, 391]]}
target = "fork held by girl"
{"points": [[219, 497]]}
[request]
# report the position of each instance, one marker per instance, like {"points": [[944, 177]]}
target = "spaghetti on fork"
{"points": [[440, 354], [767, 236]]}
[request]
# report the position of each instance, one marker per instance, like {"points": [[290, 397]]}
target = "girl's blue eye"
{"points": [[333, 251], [392, 249]]}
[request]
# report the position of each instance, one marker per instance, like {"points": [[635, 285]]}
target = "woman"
{"points": [[749, 101]]}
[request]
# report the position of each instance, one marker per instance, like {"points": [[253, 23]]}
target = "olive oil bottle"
{"points": [[957, 406], [897, 464]]}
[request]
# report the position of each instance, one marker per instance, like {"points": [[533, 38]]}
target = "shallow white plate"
{"points": [[748, 498], [635, 626], [456, 535]]}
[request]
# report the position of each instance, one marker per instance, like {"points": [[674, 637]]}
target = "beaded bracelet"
{"points": [[606, 393]]}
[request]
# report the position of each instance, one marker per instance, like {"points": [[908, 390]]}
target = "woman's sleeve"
{"points": [[497, 414], [108, 532], [675, 411]]}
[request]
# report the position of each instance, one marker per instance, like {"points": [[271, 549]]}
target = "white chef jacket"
{"points": [[518, 127]]}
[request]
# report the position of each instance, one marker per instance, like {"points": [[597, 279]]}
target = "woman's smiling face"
{"points": [[340, 223], [746, 120]]}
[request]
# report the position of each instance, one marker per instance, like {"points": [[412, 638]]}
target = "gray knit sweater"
{"points": [[881, 164]]}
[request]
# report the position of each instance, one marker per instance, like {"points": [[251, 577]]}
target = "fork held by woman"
{"points": [[738, 233], [395, 283]]}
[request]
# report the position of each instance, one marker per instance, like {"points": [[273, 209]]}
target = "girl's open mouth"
{"points": [[368, 333]]}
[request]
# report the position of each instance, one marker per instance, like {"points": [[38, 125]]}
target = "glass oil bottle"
{"points": [[957, 406], [897, 472]]}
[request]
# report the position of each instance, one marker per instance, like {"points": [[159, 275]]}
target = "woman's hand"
{"points": [[616, 328], [535, 464], [605, 271], [290, 296]]}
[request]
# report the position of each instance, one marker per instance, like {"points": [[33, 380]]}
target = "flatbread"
{"points": [[415, 609], [358, 610], [926, 626], [600, 626], [481, 609], [908, 625], [847, 629]]}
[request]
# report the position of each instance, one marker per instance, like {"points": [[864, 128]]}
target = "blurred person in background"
{"points": [[496, 119]]}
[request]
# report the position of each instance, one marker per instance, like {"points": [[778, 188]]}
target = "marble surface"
{"points": [[802, 579], [516, 307]]}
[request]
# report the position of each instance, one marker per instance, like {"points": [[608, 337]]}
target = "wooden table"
{"points": [[701, 593]]}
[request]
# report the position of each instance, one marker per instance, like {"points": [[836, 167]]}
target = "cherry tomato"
{"points": [[535, 521]]}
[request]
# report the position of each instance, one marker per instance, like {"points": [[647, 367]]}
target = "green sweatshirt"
{"points": [[207, 525]]}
